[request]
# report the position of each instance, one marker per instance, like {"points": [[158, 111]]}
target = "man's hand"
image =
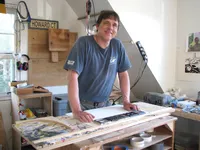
{"points": [[129, 106], [84, 116]]}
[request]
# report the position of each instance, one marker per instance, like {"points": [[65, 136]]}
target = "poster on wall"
{"points": [[192, 64], [187, 67], [193, 42]]}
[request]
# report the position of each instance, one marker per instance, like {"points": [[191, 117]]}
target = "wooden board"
{"points": [[44, 73], [41, 70], [41, 52], [37, 37], [82, 131], [58, 39], [73, 37]]}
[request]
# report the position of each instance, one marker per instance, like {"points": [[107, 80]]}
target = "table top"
{"points": [[193, 116]]}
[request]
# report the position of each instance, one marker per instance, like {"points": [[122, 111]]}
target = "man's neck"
{"points": [[103, 44]]}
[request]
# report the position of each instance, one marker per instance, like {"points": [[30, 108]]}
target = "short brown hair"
{"points": [[105, 14]]}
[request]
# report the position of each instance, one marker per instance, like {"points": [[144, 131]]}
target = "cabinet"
{"points": [[163, 132], [34, 100]]}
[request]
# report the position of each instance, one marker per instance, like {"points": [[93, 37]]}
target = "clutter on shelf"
{"points": [[22, 87]]}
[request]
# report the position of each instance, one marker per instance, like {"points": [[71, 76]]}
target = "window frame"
{"points": [[9, 10]]}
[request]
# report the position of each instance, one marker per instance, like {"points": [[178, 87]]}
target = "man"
{"points": [[196, 46], [93, 64]]}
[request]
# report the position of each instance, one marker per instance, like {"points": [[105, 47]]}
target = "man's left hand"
{"points": [[129, 106]]}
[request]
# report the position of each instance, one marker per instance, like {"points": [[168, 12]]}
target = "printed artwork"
{"points": [[193, 43], [75, 124], [192, 65], [41, 129]]}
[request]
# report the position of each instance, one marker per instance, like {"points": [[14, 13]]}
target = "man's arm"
{"points": [[73, 93], [125, 89]]}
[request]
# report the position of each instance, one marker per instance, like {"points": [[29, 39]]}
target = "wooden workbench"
{"points": [[192, 116], [163, 132], [179, 113], [94, 135]]}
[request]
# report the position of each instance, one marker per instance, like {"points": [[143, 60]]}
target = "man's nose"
{"points": [[110, 26]]}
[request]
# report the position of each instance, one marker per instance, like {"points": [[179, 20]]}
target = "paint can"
{"points": [[137, 141], [147, 137]]}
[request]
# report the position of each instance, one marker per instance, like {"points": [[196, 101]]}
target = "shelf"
{"points": [[157, 137], [167, 147], [33, 100], [34, 95]]}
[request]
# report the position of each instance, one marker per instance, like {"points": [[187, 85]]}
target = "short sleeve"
{"points": [[75, 60], [124, 62]]}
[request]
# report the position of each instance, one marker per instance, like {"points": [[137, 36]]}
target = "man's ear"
{"points": [[97, 27]]}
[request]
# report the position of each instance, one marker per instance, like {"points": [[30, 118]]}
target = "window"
{"points": [[7, 48]]}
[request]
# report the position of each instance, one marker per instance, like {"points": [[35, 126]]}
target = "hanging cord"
{"points": [[94, 15], [140, 73], [94, 30], [88, 11], [135, 83], [22, 18], [139, 76], [17, 26]]}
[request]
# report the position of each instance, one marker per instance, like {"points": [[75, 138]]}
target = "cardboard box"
{"points": [[21, 91], [14, 83]]}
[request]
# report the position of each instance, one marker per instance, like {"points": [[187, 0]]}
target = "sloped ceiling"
{"points": [[147, 83]]}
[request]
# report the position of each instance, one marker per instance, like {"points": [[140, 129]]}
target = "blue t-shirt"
{"points": [[97, 67]]}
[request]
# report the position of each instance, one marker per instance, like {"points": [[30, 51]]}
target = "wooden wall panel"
{"points": [[42, 71], [58, 39], [37, 37], [45, 73], [38, 51], [73, 37]]}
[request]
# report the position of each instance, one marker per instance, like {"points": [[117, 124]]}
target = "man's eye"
{"points": [[115, 25]]}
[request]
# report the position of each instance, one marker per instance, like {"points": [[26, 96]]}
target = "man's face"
{"points": [[107, 29], [196, 40]]}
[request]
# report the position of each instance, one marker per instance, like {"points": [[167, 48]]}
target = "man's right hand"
{"points": [[83, 116]]}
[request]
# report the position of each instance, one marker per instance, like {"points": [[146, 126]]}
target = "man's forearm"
{"points": [[73, 91], [125, 86]]}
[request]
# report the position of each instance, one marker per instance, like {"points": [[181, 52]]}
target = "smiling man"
{"points": [[93, 63]]}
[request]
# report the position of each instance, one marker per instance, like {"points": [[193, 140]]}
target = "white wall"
{"points": [[188, 22], [154, 24]]}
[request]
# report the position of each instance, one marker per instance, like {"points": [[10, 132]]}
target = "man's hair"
{"points": [[105, 14]]}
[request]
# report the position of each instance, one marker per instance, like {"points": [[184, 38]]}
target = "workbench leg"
{"points": [[171, 127], [199, 140]]}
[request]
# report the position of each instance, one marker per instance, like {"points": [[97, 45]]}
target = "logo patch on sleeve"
{"points": [[70, 62]]}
